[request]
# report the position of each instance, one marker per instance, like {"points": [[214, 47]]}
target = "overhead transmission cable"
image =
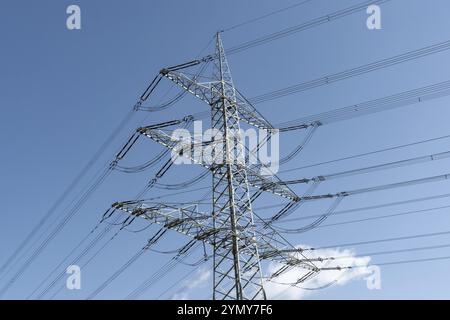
{"points": [[86, 263], [304, 26], [130, 262], [180, 280], [54, 232], [67, 191], [160, 273], [360, 155], [349, 73], [394, 215], [120, 155], [375, 241], [253, 20], [72, 212], [422, 94], [82, 254], [378, 105], [388, 263], [384, 252], [127, 264], [383, 166], [355, 192], [359, 209], [83, 240]]}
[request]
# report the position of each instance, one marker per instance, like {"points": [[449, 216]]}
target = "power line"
{"points": [[304, 26], [180, 280], [253, 20], [127, 264], [74, 261], [386, 252], [78, 204], [406, 98], [340, 195], [410, 237], [360, 155], [100, 236], [359, 209], [159, 274], [54, 232], [374, 168], [67, 191], [382, 217], [122, 269], [349, 73], [93, 256], [389, 263]]}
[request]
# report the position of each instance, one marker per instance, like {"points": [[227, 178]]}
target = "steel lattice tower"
{"points": [[238, 244], [237, 274]]}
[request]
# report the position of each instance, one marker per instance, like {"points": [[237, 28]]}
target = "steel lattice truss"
{"points": [[238, 243]]}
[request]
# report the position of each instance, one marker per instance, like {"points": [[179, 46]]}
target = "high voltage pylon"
{"points": [[238, 245]]}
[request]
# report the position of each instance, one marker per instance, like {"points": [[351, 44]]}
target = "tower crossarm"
{"points": [[203, 91], [187, 220], [208, 92], [184, 219], [266, 183], [250, 114]]}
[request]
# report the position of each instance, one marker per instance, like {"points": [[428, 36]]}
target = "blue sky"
{"points": [[63, 92]]}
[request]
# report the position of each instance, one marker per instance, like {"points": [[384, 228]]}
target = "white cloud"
{"points": [[198, 279], [277, 289]]}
